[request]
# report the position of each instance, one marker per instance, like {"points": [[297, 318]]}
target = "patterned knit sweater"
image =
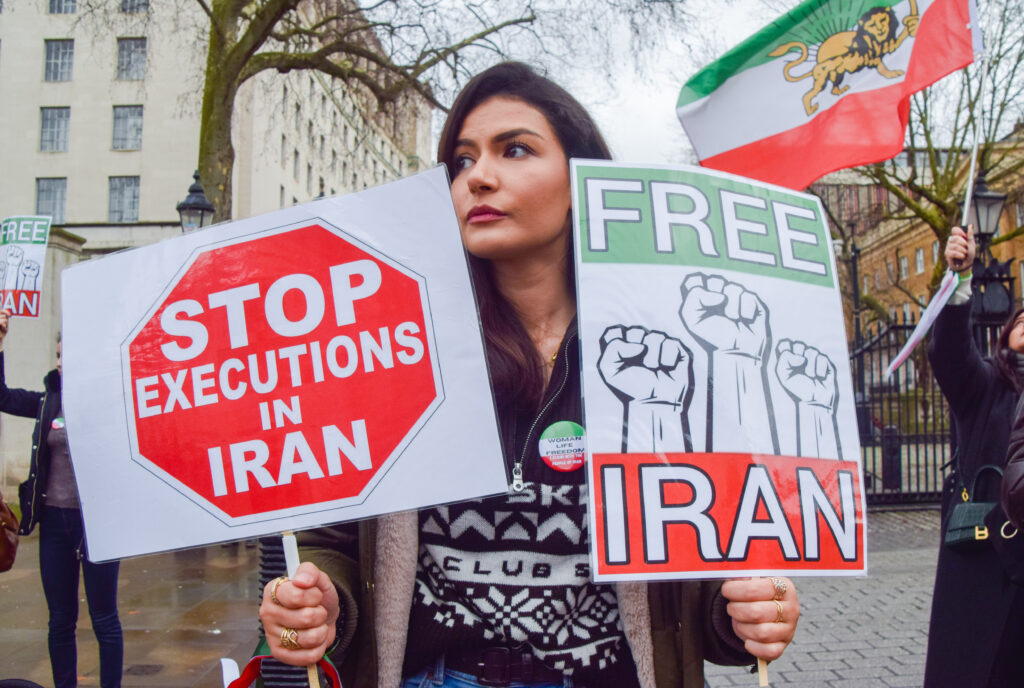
{"points": [[511, 570], [515, 568]]}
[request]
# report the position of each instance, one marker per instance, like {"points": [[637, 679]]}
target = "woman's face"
{"points": [[511, 182], [1016, 338]]}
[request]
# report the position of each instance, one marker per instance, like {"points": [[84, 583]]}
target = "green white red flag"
{"points": [[824, 87]]}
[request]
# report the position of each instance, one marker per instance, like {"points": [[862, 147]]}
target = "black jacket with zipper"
{"points": [[44, 407]]}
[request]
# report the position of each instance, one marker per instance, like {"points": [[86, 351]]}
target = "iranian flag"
{"points": [[824, 87]]}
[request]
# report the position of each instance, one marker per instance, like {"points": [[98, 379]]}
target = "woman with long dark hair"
{"points": [[497, 591], [977, 619]]}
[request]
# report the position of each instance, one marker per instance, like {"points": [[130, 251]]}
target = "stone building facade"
{"points": [[99, 128]]}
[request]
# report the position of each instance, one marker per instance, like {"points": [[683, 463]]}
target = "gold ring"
{"points": [[780, 588], [778, 617], [290, 639], [273, 589]]}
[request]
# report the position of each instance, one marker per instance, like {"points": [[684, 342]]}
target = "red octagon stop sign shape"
{"points": [[281, 373]]}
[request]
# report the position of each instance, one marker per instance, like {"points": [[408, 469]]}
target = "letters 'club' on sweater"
{"points": [[824, 87]]}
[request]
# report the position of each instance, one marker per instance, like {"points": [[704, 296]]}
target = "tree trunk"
{"points": [[216, 152]]}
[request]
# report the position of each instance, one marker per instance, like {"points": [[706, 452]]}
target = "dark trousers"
{"points": [[60, 546]]}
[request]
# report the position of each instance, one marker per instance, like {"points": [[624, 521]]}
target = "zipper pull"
{"points": [[517, 477]]}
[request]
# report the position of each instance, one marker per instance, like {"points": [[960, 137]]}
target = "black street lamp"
{"points": [[991, 281], [195, 211], [986, 209]]}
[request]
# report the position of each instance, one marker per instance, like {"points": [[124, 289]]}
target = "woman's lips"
{"points": [[483, 213]]}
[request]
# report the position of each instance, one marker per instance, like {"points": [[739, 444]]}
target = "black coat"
{"points": [[1013, 474], [44, 407], [973, 597]]}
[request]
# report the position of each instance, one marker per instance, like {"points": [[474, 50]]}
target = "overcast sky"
{"points": [[637, 114]]}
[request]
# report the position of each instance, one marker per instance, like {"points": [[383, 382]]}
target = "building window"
{"points": [[134, 6], [906, 312], [295, 164], [51, 194], [904, 267], [309, 135], [309, 179], [298, 117], [127, 127], [280, 200], [63, 6], [60, 55], [878, 280], [131, 59], [284, 150], [54, 124], [919, 260], [935, 252], [124, 199], [867, 285]]}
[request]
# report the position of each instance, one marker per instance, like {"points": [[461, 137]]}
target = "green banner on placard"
{"points": [[661, 216]]}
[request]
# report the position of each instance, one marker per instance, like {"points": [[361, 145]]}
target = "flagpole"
{"points": [[951, 280], [969, 190], [979, 108]]}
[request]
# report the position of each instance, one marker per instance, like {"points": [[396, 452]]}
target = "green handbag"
{"points": [[966, 527]]}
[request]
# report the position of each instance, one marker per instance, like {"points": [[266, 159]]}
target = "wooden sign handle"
{"points": [[291, 561]]}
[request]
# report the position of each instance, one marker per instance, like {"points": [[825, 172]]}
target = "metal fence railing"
{"points": [[904, 422]]}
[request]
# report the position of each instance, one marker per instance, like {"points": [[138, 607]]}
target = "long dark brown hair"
{"points": [[1004, 358], [516, 372]]}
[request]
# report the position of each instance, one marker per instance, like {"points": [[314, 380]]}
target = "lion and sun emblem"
{"points": [[876, 33]]}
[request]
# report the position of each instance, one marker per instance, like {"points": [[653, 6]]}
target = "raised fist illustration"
{"points": [[645, 365], [723, 316], [12, 262], [806, 374]]}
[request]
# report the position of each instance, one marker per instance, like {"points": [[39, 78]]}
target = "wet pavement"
{"points": [[862, 632], [183, 611]]}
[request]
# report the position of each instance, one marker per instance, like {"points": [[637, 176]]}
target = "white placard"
{"points": [[317, 364]]}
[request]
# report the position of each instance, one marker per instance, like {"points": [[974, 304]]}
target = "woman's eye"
{"points": [[516, 150], [462, 162]]}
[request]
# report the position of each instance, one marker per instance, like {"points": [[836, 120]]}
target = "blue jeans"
{"points": [[439, 676], [61, 540]]}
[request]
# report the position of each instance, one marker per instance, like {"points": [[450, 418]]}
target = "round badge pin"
{"points": [[561, 446], [57, 423]]}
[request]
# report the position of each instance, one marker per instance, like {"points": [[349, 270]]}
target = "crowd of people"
{"points": [[376, 597]]}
